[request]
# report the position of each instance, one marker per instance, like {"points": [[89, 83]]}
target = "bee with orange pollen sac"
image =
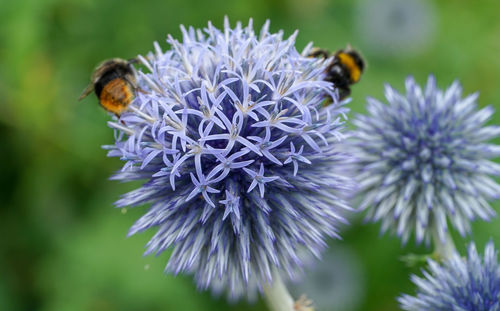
{"points": [[114, 83]]}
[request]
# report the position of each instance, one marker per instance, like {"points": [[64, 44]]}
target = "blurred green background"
{"points": [[63, 245]]}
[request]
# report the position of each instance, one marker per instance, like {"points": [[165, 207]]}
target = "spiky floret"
{"points": [[246, 176], [423, 160], [461, 284]]}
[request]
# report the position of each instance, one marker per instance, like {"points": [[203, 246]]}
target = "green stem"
{"points": [[277, 296], [444, 249]]}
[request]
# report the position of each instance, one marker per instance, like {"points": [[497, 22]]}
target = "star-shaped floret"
{"points": [[259, 179]]}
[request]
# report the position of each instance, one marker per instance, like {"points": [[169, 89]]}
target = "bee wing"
{"points": [[87, 91]]}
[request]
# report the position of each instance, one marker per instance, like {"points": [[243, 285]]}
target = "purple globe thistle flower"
{"points": [[423, 160], [462, 284], [245, 173]]}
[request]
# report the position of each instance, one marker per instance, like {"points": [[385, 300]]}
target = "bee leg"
{"points": [[118, 116], [319, 53], [327, 101], [134, 86], [344, 92], [138, 89], [324, 54], [134, 60]]}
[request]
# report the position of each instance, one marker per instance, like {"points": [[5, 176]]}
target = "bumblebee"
{"points": [[114, 83], [344, 70]]}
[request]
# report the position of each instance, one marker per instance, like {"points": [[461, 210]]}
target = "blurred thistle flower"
{"points": [[395, 28], [246, 178], [461, 284], [336, 282], [423, 159]]}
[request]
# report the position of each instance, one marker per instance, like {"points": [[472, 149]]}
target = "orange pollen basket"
{"points": [[116, 95]]}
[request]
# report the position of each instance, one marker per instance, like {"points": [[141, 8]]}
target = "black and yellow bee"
{"points": [[344, 70], [114, 83]]}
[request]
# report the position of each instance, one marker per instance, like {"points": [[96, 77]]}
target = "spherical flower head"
{"points": [[245, 173], [459, 284], [423, 160]]}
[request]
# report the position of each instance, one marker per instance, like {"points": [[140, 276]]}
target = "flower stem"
{"points": [[444, 249], [277, 296]]}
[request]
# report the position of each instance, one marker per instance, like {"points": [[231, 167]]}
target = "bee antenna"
{"points": [[134, 60]]}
